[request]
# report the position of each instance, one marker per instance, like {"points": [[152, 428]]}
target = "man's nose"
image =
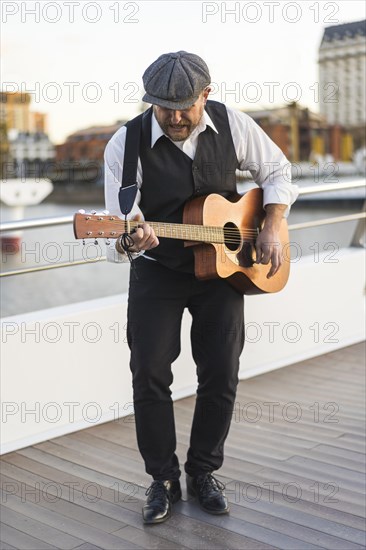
{"points": [[175, 117]]}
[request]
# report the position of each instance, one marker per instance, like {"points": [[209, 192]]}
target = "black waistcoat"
{"points": [[171, 178]]}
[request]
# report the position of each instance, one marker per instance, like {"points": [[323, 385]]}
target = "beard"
{"points": [[178, 132]]}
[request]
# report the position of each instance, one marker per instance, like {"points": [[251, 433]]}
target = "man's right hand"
{"points": [[144, 237]]}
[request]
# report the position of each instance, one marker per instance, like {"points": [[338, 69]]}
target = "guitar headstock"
{"points": [[97, 226]]}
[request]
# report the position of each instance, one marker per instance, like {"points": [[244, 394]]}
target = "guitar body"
{"points": [[242, 218]]}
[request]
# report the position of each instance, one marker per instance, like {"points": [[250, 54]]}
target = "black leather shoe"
{"points": [[160, 496], [210, 493]]}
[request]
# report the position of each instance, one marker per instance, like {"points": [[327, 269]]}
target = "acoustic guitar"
{"points": [[223, 233]]}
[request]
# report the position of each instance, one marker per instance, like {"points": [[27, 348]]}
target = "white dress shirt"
{"points": [[255, 152]]}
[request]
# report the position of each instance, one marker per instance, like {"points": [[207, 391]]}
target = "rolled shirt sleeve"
{"points": [[258, 154]]}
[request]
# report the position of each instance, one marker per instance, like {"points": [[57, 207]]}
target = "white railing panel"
{"points": [[67, 368]]}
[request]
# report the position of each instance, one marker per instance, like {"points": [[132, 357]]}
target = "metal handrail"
{"points": [[52, 266], [63, 220], [331, 187], [33, 223], [326, 221]]}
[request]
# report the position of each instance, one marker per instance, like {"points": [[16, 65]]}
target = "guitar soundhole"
{"points": [[245, 256], [232, 236]]}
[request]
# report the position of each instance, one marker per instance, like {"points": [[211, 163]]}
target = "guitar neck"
{"points": [[183, 232], [89, 226]]}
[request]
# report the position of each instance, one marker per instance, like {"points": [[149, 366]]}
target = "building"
{"points": [[298, 132], [15, 112], [30, 154], [81, 158], [27, 150], [342, 85]]}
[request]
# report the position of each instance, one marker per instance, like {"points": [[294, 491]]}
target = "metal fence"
{"points": [[357, 239]]}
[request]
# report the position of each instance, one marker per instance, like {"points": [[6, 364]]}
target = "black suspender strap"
{"points": [[128, 190]]}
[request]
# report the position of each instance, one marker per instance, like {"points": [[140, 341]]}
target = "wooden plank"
{"points": [[38, 529], [333, 459], [119, 469], [60, 495], [259, 415], [342, 498], [121, 450], [311, 533], [89, 438], [346, 475], [32, 488], [116, 511], [118, 489], [330, 450], [240, 526], [5, 545], [276, 394], [218, 538], [147, 539], [88, 546], [72, 527], [257, 493], [100, 453], [317, 517], [22, 541], [352, 443], [276, 389], [313, 369], [119, 532]]}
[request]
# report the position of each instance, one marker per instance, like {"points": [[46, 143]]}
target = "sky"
{"points": [[83, 61]]}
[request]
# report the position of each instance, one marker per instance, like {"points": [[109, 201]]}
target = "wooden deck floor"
{"points": [[294, 473]]}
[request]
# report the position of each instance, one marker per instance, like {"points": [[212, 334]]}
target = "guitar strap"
{"points": [[128, 190]]}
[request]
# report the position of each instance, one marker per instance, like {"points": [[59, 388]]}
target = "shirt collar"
{"points": [[157, 132]]}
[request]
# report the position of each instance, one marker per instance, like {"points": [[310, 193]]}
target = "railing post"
{"points": [[358, 237]]}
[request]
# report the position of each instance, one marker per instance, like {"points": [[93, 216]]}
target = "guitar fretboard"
{"points": [[96, 226], [185, 232]]}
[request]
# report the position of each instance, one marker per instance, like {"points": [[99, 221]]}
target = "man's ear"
{"points": [[206, 91]]}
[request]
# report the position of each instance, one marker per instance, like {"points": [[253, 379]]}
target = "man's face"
{"points": [[178, 125]]}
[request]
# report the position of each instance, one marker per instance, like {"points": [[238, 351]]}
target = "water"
{"points": [[35, 291]]}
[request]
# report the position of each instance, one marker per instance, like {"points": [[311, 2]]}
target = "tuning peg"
{"points": [[96, 242], [93, 212], [106, 212], [81, 211]]}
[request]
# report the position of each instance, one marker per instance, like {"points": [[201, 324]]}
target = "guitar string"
{"points": [[230, 234], [205, 229], [231, 238], [207, 238], [194, 227]]}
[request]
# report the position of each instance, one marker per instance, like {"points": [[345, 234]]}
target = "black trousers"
{"points": [[156, 303]]}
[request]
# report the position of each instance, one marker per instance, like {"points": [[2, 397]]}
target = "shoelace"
{"points": [[208, 484], [159, 491]]}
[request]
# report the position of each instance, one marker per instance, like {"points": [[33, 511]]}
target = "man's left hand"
{"points": [[268, 245], [269, 249]]}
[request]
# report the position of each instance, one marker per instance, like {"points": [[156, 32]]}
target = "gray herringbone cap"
{"points": [[175, 80]]}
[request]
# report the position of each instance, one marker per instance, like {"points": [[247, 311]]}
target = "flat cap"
{"points": [[175, 80]]}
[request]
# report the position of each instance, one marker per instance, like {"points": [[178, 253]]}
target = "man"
{"points": [[181, 135]]}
